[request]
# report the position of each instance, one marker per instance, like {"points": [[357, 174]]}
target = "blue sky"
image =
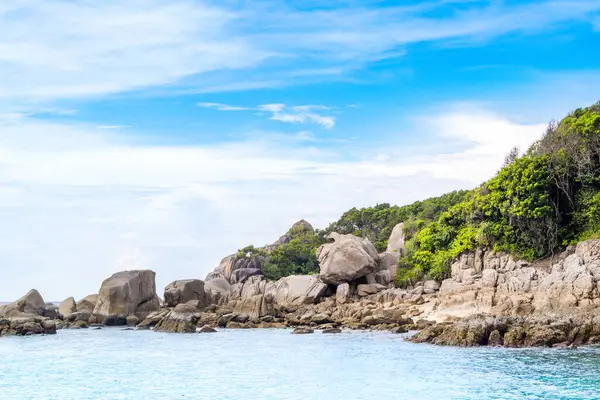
{"points": [[166, 135]]}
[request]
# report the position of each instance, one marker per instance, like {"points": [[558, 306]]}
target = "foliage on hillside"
{"points": [[296, 257], [545, 199], [376, 223]]}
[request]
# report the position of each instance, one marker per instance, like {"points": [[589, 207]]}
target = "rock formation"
{"points": [[236, 268], [30, 305], [87, 304], [396, 240], [29, 315], [127, 293], [180, 292], [67, 307], [346, 259]]}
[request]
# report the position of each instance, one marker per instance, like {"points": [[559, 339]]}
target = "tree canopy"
{"points": [[538, 202]]}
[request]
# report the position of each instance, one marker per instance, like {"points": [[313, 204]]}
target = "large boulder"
{"points": [[230, 264], [241, 275], [369, 289], [226, 266], [182, 291], [386, 269], [346, 259], [87, 304], [67, 307], [342, 294], [216, 289], [128, 293], [32, 304], [297, 290], [182, 319], [396, 239]]}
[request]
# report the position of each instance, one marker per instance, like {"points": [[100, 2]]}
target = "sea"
{"points": [[264, 364]]}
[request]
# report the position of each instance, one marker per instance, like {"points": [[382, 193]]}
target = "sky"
{"points": [[167, 135]]}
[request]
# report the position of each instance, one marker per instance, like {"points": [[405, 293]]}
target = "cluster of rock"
{"points": [[124, 299], [294, 301], [350, 270], [514, 331], [490, 298], [551, 302], [29, 315]]}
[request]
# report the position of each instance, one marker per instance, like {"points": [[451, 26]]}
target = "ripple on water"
{"points": [[272, 364]]}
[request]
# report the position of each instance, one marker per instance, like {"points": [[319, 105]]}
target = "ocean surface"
{"points": [[273, 364]]}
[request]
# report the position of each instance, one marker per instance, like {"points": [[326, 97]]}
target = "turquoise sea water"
{"points": [[273, 364]]}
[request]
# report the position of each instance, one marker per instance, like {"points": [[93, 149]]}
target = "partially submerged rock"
{"points": [[302, 331], [182, 319], [67, 307], [26, 327], [127, 293], [483, 330], [30, 305], [87, 304]]}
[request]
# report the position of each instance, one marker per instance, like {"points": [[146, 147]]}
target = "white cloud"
{"points": [[135, 44], [139, 45], [280, 112], [274, 108], [222, 107], [303, 117], [78, 203]]}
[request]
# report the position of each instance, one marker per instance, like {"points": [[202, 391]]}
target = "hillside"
{"points": [[536, 204], [539, 202]]}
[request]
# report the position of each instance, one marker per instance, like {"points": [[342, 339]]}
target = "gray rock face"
{"points": [[182, 319], [342, 295], [396, 239], [216, 289], [182, 291], [30, 305], [298, 289], [430, 287], [50, 311], [369, 289], [241, 275], [128, 293], [497, 284], [26, 326], [67, 307], [87, 304], [346, 259], [233, 263]]}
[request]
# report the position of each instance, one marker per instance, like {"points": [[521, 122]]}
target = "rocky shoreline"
{"points": [[490, 299]]}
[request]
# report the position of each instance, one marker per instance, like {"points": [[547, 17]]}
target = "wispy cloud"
{"points": [[133, 47], [280, 112], [302, 115], [222, 107]]}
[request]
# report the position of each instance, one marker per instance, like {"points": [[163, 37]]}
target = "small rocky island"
{"points": [[514, 262], [490, 299]]}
